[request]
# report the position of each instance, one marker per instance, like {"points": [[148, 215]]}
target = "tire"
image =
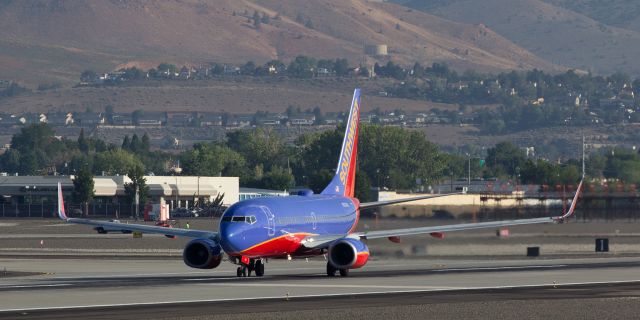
{"points": [[101, 230], [344, 272], [259, 268], [331, 270], [239, 272]]}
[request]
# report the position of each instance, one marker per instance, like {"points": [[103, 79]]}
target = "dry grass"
{"points": [[224, 95], [57, 40]]}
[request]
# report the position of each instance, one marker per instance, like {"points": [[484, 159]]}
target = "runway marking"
{"points": [[279, 297], [326, 286], [502, 268], [34, 286]]}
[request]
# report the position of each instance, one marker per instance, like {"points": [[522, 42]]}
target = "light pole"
{"points": [[469, 169], [29, 188]]}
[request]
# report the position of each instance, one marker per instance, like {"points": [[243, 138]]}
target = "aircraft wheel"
{"points": [[331, 270], [344, 272], [239, 272], [259, 268]]}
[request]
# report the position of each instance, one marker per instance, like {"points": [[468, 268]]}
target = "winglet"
{"points": [[573, 204], [61, 214]]}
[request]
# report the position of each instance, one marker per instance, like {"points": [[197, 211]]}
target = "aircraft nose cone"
{"points": [[230, 238]]}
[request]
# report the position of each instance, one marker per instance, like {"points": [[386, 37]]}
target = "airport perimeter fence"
{"points": [[49, 210]]}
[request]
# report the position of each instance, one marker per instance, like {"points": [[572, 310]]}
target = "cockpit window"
{"points": [[247, 219]]}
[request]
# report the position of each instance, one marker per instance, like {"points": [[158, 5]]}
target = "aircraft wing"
{"points": [[469, 226], [188, 233], [367, 205], [323, 241]]}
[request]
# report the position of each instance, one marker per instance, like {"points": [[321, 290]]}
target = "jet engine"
{"points": [[202, 254], [348, 253]]}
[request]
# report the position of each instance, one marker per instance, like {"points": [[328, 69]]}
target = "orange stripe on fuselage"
{"points": [[284, 244]]}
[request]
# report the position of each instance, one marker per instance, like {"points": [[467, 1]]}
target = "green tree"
{"points": [[302, 67], [256, 20], [145, 143], [88, 76], [136, 115], [116, 161], [341, 67], [126, 143], [259, 146], [83, 188], [213, 160], [277, 178], [504, 158], [136, 144], [83, 145], [137, 186]]}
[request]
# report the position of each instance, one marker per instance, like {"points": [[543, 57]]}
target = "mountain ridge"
{"points": [[54, 40]]}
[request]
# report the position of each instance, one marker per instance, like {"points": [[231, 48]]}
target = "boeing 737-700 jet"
{"points": [[300, 226]]}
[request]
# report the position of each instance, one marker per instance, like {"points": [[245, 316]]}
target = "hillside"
{"points": [[553, 33], [44, 41], [242, 96], [619, 13]]}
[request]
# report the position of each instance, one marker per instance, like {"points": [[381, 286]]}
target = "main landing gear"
{"points": [[244, 270], [331, 271]]}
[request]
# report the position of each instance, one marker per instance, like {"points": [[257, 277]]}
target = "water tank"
{"points": [[376, 49]]}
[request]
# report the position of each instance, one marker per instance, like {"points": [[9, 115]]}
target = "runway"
{"points": [[152, 289]]}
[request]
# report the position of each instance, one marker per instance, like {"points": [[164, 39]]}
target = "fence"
{"points": [[49, 210]]}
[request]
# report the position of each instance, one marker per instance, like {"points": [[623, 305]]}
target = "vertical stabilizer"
{"points": [[61, 214], [343, 182]]}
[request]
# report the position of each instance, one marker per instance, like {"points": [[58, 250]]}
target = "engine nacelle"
{"points": [[348, 253], [202, 254]]}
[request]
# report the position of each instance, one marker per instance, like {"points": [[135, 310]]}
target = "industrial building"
{"points": [[24, 195]]}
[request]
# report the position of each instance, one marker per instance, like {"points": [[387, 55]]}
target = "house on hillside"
{"points": [[60, 119], [334, 118], [239, 121], [415, 120], [180, 119], [268, 120], [122, 119], [185, 73], [302, 120], [231, 70], [211, 120], [89, 119], [154, 119], [8, 120]]}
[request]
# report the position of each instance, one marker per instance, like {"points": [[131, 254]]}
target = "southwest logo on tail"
{"points": [[301, 226], [343, 183]]}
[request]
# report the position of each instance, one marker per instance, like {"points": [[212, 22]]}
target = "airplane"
{"points": [[303, 225]]}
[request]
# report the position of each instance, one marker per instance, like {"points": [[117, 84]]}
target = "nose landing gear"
{"points": [[245, 269]]}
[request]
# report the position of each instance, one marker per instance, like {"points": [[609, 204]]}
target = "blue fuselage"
{"points": [[274, 226]]}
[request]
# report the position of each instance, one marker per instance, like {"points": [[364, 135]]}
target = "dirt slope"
{"points": [[54, 40], [553, 33]]}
